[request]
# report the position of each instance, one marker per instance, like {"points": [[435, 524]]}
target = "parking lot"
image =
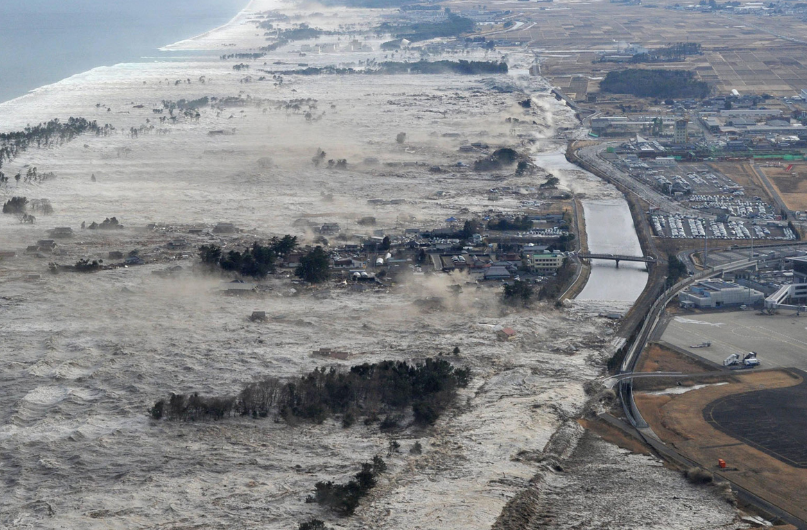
{"points": [[725, 209], [779, 340], [679, 226]]}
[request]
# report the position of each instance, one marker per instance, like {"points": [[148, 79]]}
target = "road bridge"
{"points": [[616, 257]]}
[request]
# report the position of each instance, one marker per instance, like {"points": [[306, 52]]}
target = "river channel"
{"points": [[609, 230]]}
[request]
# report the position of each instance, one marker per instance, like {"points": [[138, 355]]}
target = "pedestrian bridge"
{"points": [[616, 257]]}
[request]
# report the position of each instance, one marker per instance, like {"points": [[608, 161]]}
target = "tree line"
{"points": [[452, 26], [253, 56], [48, 134], [366, 390], [673, 52], [521, 224], [461, 67], [258, 261]]}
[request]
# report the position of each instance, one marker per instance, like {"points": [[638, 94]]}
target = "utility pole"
{"points": [[705, 249], [752, 259], [752, 240]]}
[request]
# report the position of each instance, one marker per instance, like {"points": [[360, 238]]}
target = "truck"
{"points": [[741, 361]]}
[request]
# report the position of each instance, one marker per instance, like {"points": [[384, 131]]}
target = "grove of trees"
{"points": [[344, 498], [521, 224], [655, 83], [15, 205], [518, 293], [676, 269], [388, 387], [256, 261], [48, 134], [313, 266], [500, 157]]}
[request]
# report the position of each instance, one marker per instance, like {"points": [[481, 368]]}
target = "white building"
{"points": [[542, 261], [718, 293]]}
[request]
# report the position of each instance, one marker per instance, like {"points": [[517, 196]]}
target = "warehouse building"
{"points": [[718, 293]]}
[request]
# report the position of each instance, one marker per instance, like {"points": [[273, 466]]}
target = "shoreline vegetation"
{"points": [[45, 135]]}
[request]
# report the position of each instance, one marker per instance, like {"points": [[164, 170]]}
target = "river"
{"points": [[609, 230]]}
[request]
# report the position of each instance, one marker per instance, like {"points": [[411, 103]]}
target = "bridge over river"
{"points": [[616, 257]]}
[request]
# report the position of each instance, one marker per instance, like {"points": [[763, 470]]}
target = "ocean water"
{"points": [[44, 41]]}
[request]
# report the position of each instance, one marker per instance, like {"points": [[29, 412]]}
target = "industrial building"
{"points": [[800, 268], [718, 293], [791, 294], [621, 125]]}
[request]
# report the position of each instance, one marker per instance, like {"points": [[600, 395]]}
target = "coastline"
{"points": [[174, 46]]}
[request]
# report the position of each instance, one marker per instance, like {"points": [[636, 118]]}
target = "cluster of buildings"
{"points": [[727, 125], [667, 129], [758, 128], [777, 280], [483, 262]]}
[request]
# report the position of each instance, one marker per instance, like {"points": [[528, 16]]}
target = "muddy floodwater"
{"points": [[610, 230]]}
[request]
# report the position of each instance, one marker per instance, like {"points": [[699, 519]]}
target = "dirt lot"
{"points": [[743, 174], [611, 434], [791, 185], [659, 358], [679, 421]]}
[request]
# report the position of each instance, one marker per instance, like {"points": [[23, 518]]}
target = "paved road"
{"points": [[685, 256]]}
